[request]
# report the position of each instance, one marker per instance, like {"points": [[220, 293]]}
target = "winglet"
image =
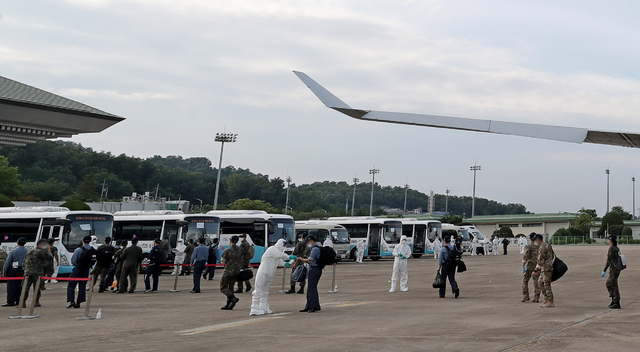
{"points": [[330, 100]]}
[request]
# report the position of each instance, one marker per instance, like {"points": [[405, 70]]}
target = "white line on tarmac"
{"points": [[230, 325]]}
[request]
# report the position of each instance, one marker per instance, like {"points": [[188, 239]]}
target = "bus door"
{"points": [[374, 239], [419, 239]]}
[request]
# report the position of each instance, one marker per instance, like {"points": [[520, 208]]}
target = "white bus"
{"points": [[323, 229], [262, 229], [451, 230], [34, 223], [421, 234], [381, 235], [147, 225], [473, 231]]}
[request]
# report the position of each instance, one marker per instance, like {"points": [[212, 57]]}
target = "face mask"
{"points": [[309, 246]]}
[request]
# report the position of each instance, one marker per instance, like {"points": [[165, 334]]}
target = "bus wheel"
{"points": [[353, 254], [375, 259], [417, 256]]}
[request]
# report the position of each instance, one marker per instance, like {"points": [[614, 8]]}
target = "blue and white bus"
{"points": [[380, 235], [421, 234], [69, 227], [262, 229]]}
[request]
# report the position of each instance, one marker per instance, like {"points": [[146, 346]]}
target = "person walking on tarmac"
{"points": [[401, 253], [301, 250], [84, 257], [529, 262], [361, 246], [104, 256], [34, 263], [315, 272], [213, 258], [271, 258], [232, 261], [179, 258], [544, 270], [154, 269], [117, 259], [131, 258], [505, 244], [447, 267], [437, 246], [614, 264], [199, 262], [14, 267], [247, 251]]}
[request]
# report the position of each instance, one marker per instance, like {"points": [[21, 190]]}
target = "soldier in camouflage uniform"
{"points": [[34, 267], [248, 252], [3, 257], [543, 270], [301, 251], [613, 263], [232, 260], [529, 262]]}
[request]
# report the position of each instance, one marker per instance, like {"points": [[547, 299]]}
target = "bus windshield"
{"points": [[464, 234], [435, 230], [477, 235], [392, 232], [282, 228], [339, 236], [87, 225], [202, 227]]}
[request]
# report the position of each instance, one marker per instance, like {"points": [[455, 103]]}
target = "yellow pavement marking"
{"points": [[352, 304], [226, 326]]}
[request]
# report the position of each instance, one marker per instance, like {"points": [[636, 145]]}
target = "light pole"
{"points": [[223, 138], [286, 204], [633, 181], [353, 203], [200, 200], [607, 171], [373, 172], [406, 189], [474, 168], [446, 202]]}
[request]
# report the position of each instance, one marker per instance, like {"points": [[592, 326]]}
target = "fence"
{"points": [[564, 240]]}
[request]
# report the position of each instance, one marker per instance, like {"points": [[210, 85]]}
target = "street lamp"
{"points": [[446, 202], [200, 200], [633, 181], [406, 189], [474, 168], [353, 203], [607, 171], [223, 138], [373, 172], [286, 204]]}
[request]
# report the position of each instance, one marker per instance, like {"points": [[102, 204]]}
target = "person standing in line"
{"points": [[104, 255], [529, 262], [614, 264], [360, 249], [313, 300], [82, 260], [131, 258], [447, 267], [35, 264], [248, 252], [437, 246], [232, 260], [544, 270], [109, 280], [3, 259], [474, 245], [485, 248], [117, 259], [166, 247], [49, 264], [523, 244], [199, 262], [214, 258], [300, 250], [188, 252], [56, 260], [496, 245], [154, 268], [505, 244], [14, 267], [271, 258], [401, 253], [179, 256]]}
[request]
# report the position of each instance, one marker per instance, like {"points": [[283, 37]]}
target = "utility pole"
{"points": [[633, 181], [608, 172], [228, 138], [406, 189], [200, 200], [373, 172], [446, 202], [102, 192], [474, 168], [353, 202], [286, 204]]}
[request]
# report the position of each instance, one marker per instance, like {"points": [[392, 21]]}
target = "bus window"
{"points": [[322, 235], [143, 230], [357, 230], [86, 225], [207, 228], [340, 236], [435, 230], [12, 229], [451, 233], [391, 234], [407, 230], [283, 228], [171, 232]]}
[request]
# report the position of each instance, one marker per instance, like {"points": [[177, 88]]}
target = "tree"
{"points": [[5, 201], [76, 204], [452, 219], [562, 232], [249, 204], [505, 231], [9, 182], [88, 189], [623, 213], [613, 222], [591, 212], [627, 232], [585, 221]]}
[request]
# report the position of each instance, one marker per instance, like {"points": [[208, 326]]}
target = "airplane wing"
{"points": [[556, 133]]}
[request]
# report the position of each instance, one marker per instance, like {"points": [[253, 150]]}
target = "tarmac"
{"points": [[362, 316]]}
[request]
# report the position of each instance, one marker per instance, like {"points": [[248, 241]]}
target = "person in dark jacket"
{"points": [[214, 258], [104, 255], [505, 244], [188, 252], [153, 270], [14, 267], [199, 262], [78, 271], [613, 263], [448, 271], [247, 254]]}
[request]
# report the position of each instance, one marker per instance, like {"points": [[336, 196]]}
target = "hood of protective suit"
{"points": [[180, 246], [403, 239], [281, 244]]}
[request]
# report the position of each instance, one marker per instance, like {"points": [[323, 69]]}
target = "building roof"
{"points": [[541, 217], [29, 114]]}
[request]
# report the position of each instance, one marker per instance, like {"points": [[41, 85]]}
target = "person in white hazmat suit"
{"points": [[360, 247], [474, 245], [401, 253], [179, 258], [485, 248], [328, 242], [496, 245], [271, 258], [437, 246], [523, 244]]}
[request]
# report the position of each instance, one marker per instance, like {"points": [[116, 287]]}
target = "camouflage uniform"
{"points": [[3, 258], [34, 266], [247, 254], [301, 251], [612, 282], [118, 262], [188, 252], [529, 262], [232, 257], [49, 266], [131, 257], [545, 265]]}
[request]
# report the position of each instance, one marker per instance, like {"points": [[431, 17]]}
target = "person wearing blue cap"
{"points": [[313, 301], [84, 257]]}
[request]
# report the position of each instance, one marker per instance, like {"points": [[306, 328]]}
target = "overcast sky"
{"points": [[180, 71]]}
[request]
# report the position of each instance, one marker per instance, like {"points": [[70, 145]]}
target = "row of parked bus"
{"points": [[263, 230]]}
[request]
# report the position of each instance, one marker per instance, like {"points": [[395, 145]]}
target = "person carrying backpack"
{"points": [[84, 257], [104, 258], [614, 263], [315, 272], [156, 257], [449, 257]]}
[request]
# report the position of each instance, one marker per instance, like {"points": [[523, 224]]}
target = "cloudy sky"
{"points": [[180, 71]]}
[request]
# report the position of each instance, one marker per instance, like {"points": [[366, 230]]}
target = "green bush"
{"points": [[627, 231], [76, 204], [5, 201], [562, 233]]}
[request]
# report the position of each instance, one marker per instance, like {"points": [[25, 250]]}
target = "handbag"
{"points": [[559, 269], [244, 275], [462, 267], [299, 274], [438, 282]]}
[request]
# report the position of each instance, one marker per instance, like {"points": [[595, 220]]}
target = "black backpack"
{"points": [[105, 255], [454, 257], [327, 257], [88, 258]]}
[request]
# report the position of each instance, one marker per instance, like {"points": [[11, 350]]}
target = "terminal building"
{"points": [[524, 223]]}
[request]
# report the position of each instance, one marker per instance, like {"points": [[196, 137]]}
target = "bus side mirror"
{"points": [[67, 228], [272, 229]]}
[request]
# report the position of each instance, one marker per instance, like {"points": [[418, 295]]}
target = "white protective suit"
{"points": [[401, 253], [360, 248], [328, 242], [496, 245], [486, 246], [271, 258], [437, 246], [179, 258], [523, 244], [474, 246]]}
